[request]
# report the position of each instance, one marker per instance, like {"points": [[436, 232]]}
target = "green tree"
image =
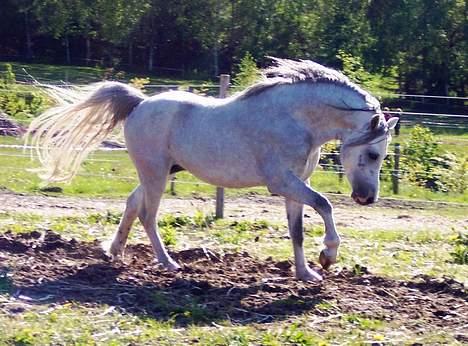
{"points": [[119, 21], [248, 72], [60, 19]]}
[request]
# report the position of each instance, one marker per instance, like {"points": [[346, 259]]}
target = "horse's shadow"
{"points": [[181, 298]]}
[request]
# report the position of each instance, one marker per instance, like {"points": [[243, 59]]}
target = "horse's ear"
{"points": [[375, 121], [391, 123]]}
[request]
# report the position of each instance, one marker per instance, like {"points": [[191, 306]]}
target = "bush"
{"points": [[460, 250], [425, 165], [418, 158], [139, 83], [248, 72], [353, 68], [451, 173], [330, 157], [17, 102]]}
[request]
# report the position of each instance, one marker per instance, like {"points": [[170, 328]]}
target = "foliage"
{"points": [[139, 83], [460, 250], [169, 235], [353, 68], [330, 156], [419, 153], [248, 72], [424, 164], [422, 41], [17, 102], [451, 171]]}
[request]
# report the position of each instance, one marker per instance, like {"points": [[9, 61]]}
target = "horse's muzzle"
{"points": [[363, 200]]}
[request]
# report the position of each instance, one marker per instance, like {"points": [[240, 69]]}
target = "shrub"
{"points": [[451, 173], [460, 250], [330, 155], [424, 165], [248, 72], [139, 83], [419, 153], [353, 68], [17, 102]]}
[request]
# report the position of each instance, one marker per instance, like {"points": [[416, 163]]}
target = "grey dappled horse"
{"points": [[268, 135]]}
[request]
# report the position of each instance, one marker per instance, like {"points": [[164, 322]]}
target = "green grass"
{"points": [[111, 174], [397, 254], [104, 325], [84, 75]]}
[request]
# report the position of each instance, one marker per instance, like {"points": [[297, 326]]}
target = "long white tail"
{"points": [[64, 135]]}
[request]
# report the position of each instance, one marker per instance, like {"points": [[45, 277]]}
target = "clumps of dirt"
{"points": [[9, 127], [213, 286]]}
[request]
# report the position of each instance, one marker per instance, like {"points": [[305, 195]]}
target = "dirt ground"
{"points": [[47, 269], [386, 214]]}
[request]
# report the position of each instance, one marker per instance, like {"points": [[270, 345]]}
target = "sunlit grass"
{"points": [[396, 254], [111, 174], [105, 325]]}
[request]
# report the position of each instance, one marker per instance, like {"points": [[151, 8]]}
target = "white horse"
{"points": [[269, 135]]}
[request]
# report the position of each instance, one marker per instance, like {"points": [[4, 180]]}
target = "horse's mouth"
{"points": [[363, 200]]}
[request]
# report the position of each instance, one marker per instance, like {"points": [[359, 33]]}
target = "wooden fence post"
{"points": [[396, 169], [173, 180], [223, 88]]}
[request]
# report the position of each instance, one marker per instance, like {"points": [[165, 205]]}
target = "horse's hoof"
{"points": [[171, 266], [309, 275], [325, 261], [110, 252]]}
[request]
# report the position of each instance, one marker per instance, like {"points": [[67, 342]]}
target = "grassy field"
{"points": [[84, 75], [111, 174], [394, 254], [427, 251]]}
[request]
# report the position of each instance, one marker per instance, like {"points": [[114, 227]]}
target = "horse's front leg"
{"points": [[295, 215], [293, 188], [332, 239]]}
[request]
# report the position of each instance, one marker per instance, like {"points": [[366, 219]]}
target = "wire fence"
{"points": [[327, 168], [395, 173]]}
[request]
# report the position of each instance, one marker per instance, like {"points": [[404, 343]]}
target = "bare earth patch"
{"points": [[45, 269]]}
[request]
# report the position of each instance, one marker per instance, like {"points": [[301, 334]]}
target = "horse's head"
{"points": [[362, 155]]}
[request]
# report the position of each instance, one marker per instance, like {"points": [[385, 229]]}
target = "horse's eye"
{"points": [[373, 156]]}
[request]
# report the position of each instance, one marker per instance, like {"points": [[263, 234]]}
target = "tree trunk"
{"points": [[130, 52], [150, 58], [67, 51], [88, 50], [29, 52]]}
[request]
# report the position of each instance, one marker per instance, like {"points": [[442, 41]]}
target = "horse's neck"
{"points": [[316, 107]]}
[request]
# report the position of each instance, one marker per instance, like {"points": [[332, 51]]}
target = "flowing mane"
{"points": [[286, 71]]}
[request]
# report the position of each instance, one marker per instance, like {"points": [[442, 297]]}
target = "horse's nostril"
{"points": [[370, 200]]}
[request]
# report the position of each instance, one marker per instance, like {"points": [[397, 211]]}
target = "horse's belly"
{"points": [[228, 177]]}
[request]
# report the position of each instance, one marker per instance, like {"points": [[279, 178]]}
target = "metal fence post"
{"points": [[396, 169], [223, 88]]}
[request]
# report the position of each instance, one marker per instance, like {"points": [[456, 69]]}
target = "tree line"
{"points": [[421, 43]]}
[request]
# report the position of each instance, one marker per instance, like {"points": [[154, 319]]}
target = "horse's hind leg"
{"points": [[134, 202], [153, 180]]}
